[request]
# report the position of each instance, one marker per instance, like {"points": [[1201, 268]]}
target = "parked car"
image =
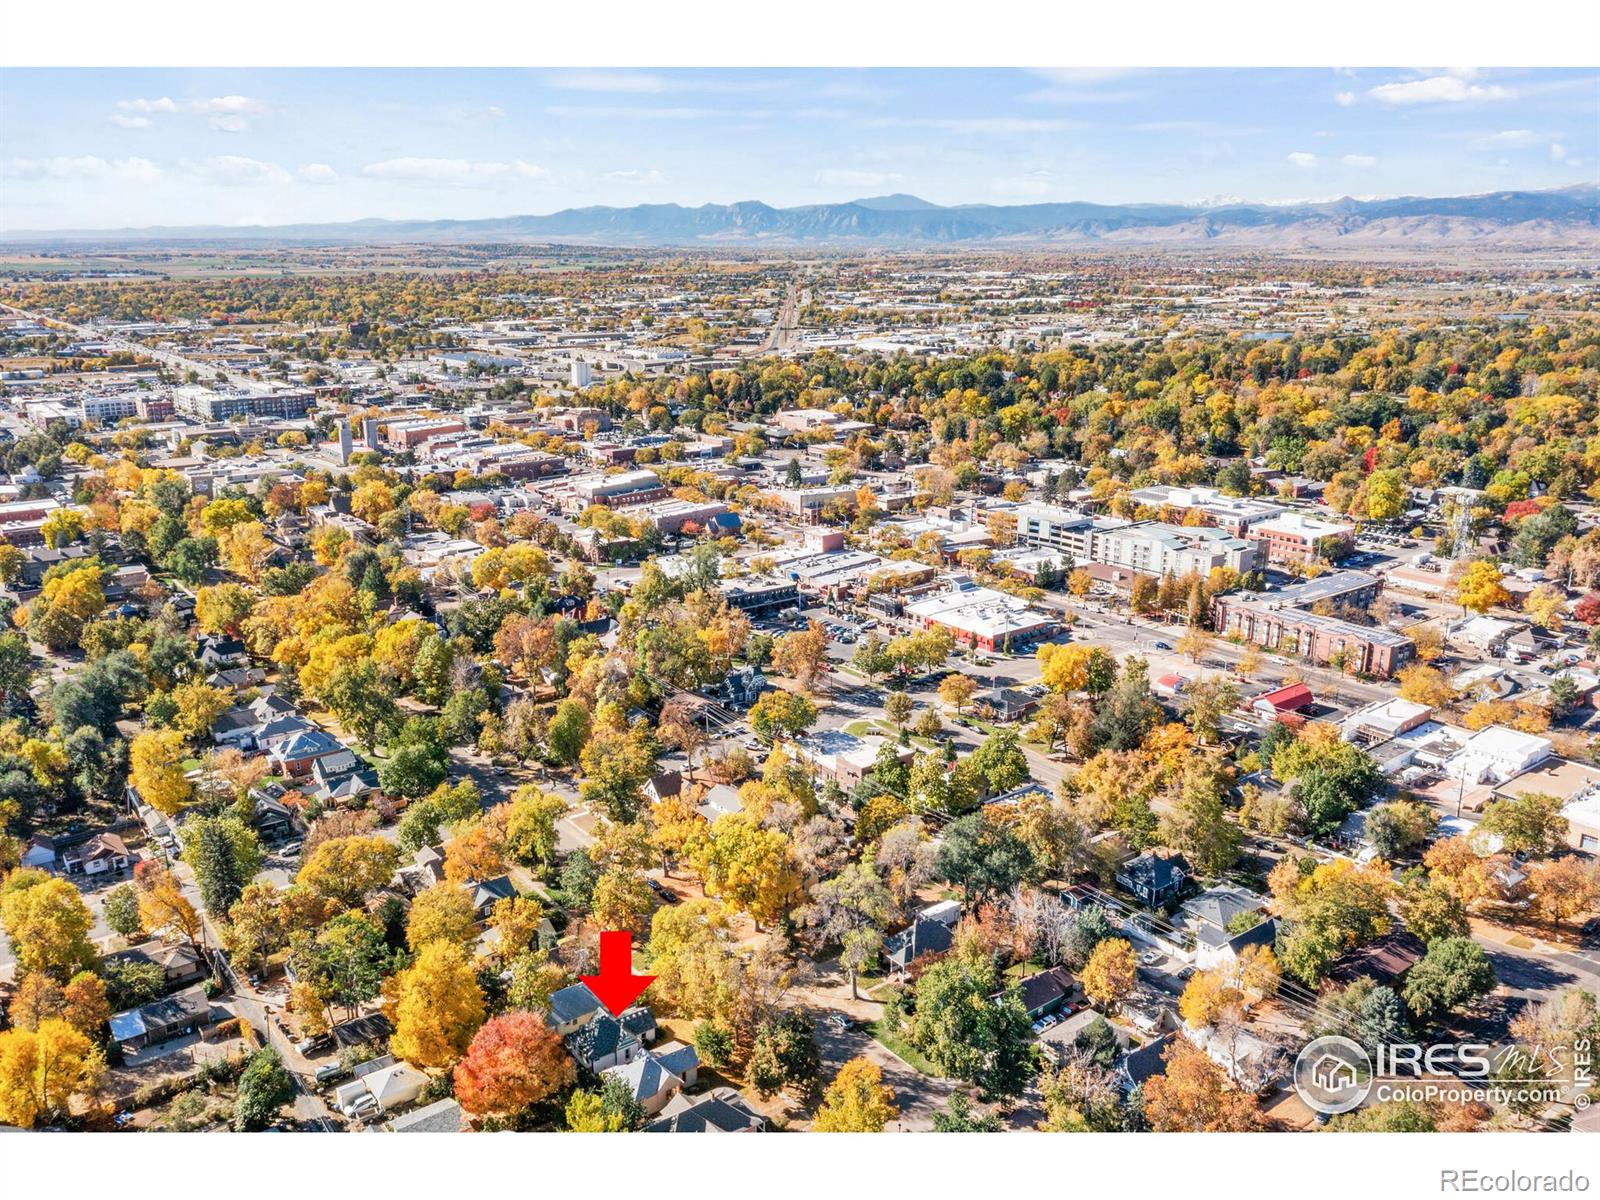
{"points": [[314, 1044], [663, 893], [1151, 957], [362, 1107], [1162, 646]]}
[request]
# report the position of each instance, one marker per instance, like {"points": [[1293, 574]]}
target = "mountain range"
{"points": [[1565, 218]]}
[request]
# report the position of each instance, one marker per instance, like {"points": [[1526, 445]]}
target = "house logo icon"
{"points": [[1333, 1075]]}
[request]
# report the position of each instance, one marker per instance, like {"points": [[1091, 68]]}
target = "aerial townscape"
{"points": [[857, 667]]}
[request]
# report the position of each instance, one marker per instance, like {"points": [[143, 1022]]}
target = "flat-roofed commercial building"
{"points": [[980, 616], [410, 432]]}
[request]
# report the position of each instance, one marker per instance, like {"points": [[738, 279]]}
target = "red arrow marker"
{"points": [[616, 986]]}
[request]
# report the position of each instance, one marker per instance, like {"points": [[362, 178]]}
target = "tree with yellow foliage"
{"points": [[245, 549], [155, 768], [199, 704], [800, 655], [1546, 606], [748, 864], [1423, 684], [48, 924], [1110, 974], [1206, 998], [517, 920], [1480, 589], [222, 609], [372, 500], [437, 1007], [346, 869], [444, 913], [44, 1071], [162, 905], [857, 1101], [1062, 668]]}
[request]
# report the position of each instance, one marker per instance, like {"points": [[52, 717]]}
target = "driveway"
{"points": [[828, 995]]}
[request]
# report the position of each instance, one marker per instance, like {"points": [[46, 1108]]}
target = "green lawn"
{"points": [[895, 1044]]}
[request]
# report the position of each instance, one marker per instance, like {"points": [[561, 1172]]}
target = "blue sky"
{"points": [[110, 148]]}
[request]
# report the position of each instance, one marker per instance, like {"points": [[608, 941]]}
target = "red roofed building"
{"points": [[1293, 698]]}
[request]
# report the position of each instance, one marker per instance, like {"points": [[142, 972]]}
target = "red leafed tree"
{"points": [[1518, 509], [1587, 610], [513, 1062]]}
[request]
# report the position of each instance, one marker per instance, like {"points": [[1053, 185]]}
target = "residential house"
{"points": [[721, 1111], [1047, 992], [719, 800], [1155, 879], [162, 1020], [1291, 698], [442, 1116], [102, 854], [657, 1075], [40, 853], [1139, 1066], [486, 893], [180, 962], [603, 1041], [342, 779], [297, 755], [1382, 961], [271, 818], [923, 937], [571, 1007]]}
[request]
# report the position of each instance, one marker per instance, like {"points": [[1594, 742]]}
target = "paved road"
{"points": [[788, 319]]}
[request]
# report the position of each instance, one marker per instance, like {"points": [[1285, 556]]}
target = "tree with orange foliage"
{"points": [[1193, 1096], [515, 1061], [473, 855]]}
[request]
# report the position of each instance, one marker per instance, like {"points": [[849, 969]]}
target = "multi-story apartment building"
{"points": [[1294, 537], [1283, 621]]}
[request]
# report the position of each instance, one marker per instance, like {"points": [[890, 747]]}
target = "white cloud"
{"points": [[645, 113], [163, 105], [650, 177], [1439, 89], [1301, 159], [1558, 152], [1359, 160], [229, 114], [494, 112], [1512, 137], [84, 166], [317, 173], [1345, 99], [452, 172], [243, 106], [846, 178], [234, 170]]}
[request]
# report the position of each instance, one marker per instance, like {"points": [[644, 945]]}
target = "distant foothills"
{"points": [[1564, 218]]}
